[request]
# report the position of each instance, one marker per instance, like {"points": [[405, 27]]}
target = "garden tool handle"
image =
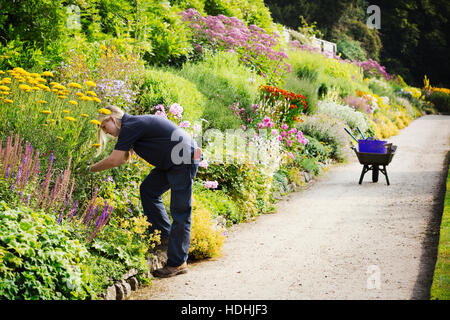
{"points": [[350, 134], [360, 133]]}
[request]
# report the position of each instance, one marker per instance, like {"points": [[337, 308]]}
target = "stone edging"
{"points": [[121, 290]]}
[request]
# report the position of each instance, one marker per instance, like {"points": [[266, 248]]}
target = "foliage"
{"points": [[327, 73], [219, 203], [255, 47], [346, 114], [38, 259], [112, 64], [32, 33], [309, 89], [245, 182], [280, 105], [373, 69], [351, 49], [52, 119], [206, 241], [440, 100], [223, 81], [166, 88], [330, 131]]}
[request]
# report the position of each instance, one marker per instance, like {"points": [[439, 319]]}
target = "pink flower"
{"points": [[161, 114], [290, 154], [266, 120], [176, 110], [274, 132], [284, 126], [211, 184], [203, 164], [185, 124], [283, 134], [243, 127]]}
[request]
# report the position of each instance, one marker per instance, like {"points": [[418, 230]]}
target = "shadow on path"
{"points": [[428, 257]]}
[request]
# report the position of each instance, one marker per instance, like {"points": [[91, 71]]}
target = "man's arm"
{"points": [[115, 159]]}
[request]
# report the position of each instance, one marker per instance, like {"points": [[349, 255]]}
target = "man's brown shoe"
{"points": [[169, 271]]}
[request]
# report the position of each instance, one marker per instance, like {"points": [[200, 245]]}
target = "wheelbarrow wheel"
{"points": [[375, 172]]}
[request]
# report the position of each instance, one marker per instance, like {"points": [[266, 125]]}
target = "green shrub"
{"points": [[348, 115], [316, 149], [220, 204], [206, 240], [330, 131], [381, 88], [165, 87], [38, 260], [351, 49], [310, 165], [246, 184], [305, 87], [440, 100], [224, 82]]}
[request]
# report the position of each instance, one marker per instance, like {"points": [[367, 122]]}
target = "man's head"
{"points": [[110, 123]]}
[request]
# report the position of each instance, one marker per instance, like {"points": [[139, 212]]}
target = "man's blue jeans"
{"points": [[178, 179]]}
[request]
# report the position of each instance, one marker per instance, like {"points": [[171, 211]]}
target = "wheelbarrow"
{"points": [[377, 162], [374, 161]]}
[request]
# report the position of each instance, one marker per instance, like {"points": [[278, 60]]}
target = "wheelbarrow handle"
{"points": [[361, 133], [351, 134]]}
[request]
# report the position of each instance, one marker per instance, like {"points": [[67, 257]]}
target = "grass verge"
{"points": [[440, 289]]}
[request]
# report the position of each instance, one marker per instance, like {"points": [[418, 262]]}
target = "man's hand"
{"points": [[83, 169]]}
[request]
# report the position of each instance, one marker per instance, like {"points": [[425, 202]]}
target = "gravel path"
{"points": [[336, 239]]}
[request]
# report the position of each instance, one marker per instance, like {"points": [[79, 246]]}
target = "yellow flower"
{"points": [[53, 83], [86, 98], [69, 118], [91, 93], [84, 115], [66, 111], [60, 138], [103, 47], [62, 97], [97, 99], [73, 102], [24, 87], [41, 80], [4, 88], [80, 94], [97, 145], [74, 85], [90, 84], [59, 87], [2, 72], [104, 111], [35, 75], [5, 93], [7, 101], [42, 101], [6, 80], [95, 122], [46, 111], [35, 88], [47, 74]]}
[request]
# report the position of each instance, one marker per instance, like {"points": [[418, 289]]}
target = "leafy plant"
{"points": [[38, 259]]}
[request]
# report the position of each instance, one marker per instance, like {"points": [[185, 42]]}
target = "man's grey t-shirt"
{"points": [[151, 138]]}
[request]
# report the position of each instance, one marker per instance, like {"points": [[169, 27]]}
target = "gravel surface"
{"points": [[336, 239]]}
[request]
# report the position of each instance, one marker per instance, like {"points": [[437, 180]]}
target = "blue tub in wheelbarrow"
{"points": [[374, 162]]}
